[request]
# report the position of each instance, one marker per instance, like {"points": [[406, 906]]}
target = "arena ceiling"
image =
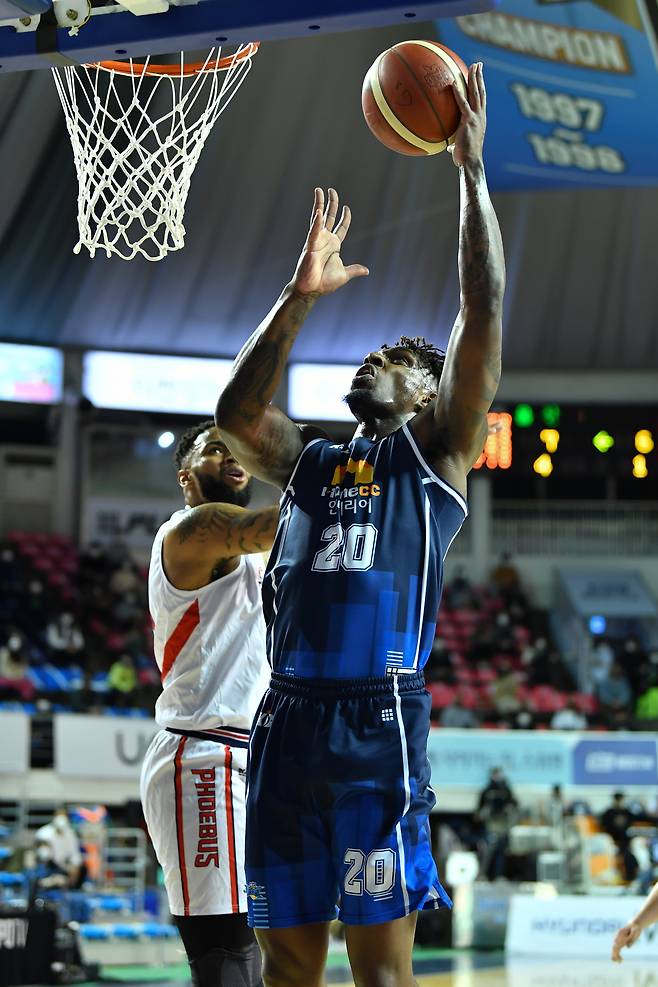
{"points": [[582, 273]]}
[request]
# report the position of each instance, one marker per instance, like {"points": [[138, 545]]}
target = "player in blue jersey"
{"points": [[339, 794]]}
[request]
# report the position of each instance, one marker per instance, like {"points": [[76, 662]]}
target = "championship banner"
{"points": [[100, 746], [579, 926], [14, 743], [571, 88]]}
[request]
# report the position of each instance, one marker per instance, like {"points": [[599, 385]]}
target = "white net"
{"points": [[137, 135]]}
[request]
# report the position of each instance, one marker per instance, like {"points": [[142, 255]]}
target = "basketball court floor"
{"points": [[448, 968]]}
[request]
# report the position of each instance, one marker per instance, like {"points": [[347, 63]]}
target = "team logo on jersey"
{"points": [[361, 470], [256, 891], [352, 487]]}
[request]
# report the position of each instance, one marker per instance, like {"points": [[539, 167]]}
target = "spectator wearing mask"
{"points": [[505, 690], [569, 718], [14, 667], [601, 661], [65, 640], [58, 852], [615, 697]]}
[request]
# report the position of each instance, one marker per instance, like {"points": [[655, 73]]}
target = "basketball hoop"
{"points": [[137, 130]]}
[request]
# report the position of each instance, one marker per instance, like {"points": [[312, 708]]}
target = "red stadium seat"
{"points": [[585, 702], [547, 700], [442, 695]]}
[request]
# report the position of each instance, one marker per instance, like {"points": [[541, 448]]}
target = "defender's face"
{"points": [[389, 382], [211, 457], [213, 474]]}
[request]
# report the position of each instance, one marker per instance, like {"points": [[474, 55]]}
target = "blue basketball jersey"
{"points": [[354, 580]]}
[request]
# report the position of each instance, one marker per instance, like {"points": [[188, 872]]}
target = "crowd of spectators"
{"points": [[75, 633], [493, 665], [74, 627]]}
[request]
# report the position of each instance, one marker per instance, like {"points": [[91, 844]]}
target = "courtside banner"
{"points": [[14, 743], [100, 746], [581, 926], [465, 757], [542, 758], [534, 971], [572, 91]]}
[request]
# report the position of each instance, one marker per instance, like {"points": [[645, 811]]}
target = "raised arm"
{"points": [[454, 432], [210, 536], [265, 440]]}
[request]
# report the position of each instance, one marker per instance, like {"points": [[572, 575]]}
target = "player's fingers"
{"points": [[317, 222], [331, 210], [460, 99], [344, 224], [482, 89], [473, 93], [356, 271], [318, 203]]}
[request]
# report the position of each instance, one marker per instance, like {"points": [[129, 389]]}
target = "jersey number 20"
{"points": [[352, 548]]}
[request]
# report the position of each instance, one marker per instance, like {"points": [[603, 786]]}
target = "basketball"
{"points": [[407, 97]]}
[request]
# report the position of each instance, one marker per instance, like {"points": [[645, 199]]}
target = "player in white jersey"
{"points": [[205, 603]]}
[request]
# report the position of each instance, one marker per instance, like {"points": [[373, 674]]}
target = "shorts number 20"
{"points": [[378, 868]]}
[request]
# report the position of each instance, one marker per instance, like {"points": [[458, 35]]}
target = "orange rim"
{"points": [[188, 68]]}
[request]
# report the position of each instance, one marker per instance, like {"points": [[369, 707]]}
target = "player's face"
{"points": [[390, 382], [218, 474]]}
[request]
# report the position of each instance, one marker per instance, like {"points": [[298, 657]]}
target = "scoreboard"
{"points": [[592, 450]]}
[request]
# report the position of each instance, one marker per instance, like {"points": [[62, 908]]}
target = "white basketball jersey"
{"points": [[209, 645]]}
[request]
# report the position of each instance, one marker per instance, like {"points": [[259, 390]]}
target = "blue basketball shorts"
{"points": [[338, 803]]}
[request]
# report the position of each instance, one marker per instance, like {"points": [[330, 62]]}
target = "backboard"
{"points": [[44, 33]]}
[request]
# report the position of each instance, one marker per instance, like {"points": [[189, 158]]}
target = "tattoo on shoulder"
{"points": [[241, 534]]}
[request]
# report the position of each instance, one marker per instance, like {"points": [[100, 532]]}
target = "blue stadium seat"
{"points": [[128, 931], [159, 930], [11, 880], [94, 932]]}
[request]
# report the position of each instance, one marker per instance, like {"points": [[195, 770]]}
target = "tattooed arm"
{"points": [[208, 539], [453, 431], [264, 440]]}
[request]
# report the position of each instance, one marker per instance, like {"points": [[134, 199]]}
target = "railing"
{"points": [[572, 528]]}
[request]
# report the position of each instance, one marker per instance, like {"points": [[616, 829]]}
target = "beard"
{"points": [[363, 405], [217, 492]]}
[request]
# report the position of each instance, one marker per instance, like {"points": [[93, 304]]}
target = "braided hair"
{"points": [[430, 357]]}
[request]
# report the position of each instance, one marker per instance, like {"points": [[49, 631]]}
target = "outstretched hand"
{"points": [[320, 269], [625, 938], [469, 137]]}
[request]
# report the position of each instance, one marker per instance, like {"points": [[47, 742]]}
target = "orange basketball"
{"points": [[407, 97]]}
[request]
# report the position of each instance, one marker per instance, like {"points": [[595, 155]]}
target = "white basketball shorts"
{"points": [[193, 796]]}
